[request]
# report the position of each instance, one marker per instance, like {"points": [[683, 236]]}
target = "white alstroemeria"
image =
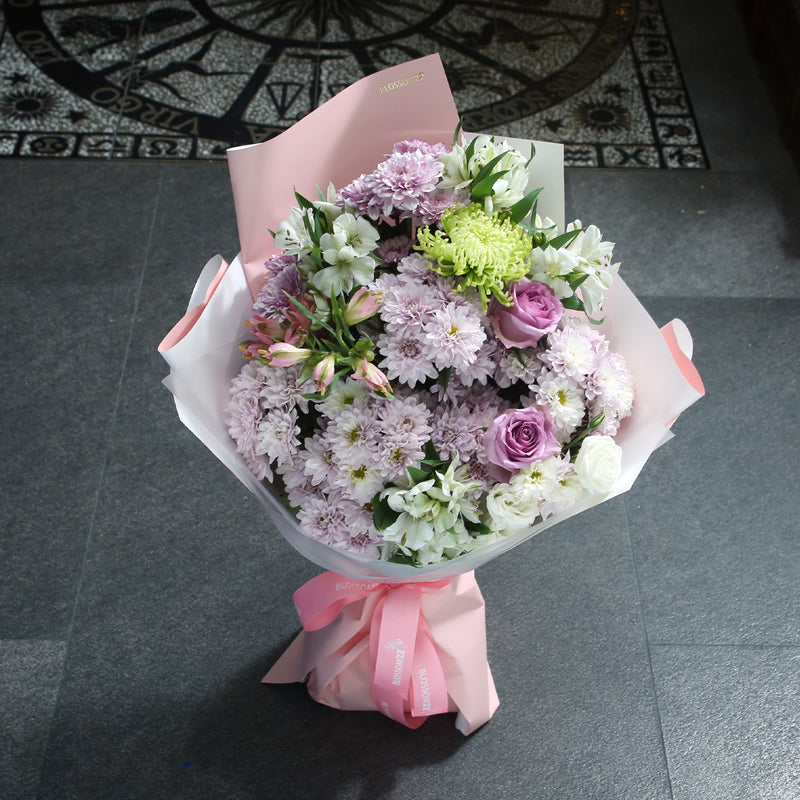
{"points": [[356, 232], [328, 206], [546, 225], [452, 490], [458, 173], [589, 245], [551, 267], [594, 288], [431, 517], [512, 507], [599, 464], [292, 235], [346, 270]]}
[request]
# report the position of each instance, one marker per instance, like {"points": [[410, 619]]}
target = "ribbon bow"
{"points": [[405, 664]]}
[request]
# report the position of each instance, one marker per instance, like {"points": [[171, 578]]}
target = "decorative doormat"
{"points": [[185, 79]]}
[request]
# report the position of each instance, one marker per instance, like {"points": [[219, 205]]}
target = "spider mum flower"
{"points": [[478, 249]]}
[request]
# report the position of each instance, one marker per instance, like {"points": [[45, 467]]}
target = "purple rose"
{"points": [[534, 312], [519, 437]]}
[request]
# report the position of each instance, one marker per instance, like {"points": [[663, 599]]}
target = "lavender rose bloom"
{"points": [[534, 312], [519, 437]]}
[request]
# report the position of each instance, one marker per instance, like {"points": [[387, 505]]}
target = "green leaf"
{"points": [[564, 239], [523, 207], [430, 452], [382, 514], [303, 202], [487, 168], [417, 475], [402, 558], [533, 153], [486, 187], [573, 303], [457, 131], [476, 528], [469, 150], [575, 279]]}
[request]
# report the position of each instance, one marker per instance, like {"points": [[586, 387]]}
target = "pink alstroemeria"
{"points": [[366, 371], [283, 354], [323, 373], [362, 305], [268, 331]]}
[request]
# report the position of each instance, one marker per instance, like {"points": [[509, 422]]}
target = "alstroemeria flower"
{"points": [[283, 354], [323, 373], [366, 371], [361, 306]]}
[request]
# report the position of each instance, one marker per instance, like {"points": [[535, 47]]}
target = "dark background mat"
{"points": [[184, 79]]}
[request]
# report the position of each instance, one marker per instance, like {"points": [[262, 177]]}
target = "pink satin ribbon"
{"points": [[405, 664]]}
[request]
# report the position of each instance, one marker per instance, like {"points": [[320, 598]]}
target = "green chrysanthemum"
{"points": [[483, 250]]}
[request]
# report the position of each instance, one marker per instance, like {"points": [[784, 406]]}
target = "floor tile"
{"points": [[60, 387], [30, 673], [733, 109], [730, 721], [195, 222], [698, 234], [714, 514]]}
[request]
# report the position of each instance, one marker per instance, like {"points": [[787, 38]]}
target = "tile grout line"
{"points": [[656, 707], [101, 479]]}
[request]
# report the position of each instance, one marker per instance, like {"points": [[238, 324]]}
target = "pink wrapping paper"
{"points": [[338, 652], [338, 141]]}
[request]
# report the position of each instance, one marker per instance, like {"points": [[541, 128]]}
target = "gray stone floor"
{"points": [[646, 650]]}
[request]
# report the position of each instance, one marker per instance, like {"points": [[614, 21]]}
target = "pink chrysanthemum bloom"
{"points": [[396, 185], [242, 415], [455, 434], [405, 357], [358, 479], [278, 434], [277, 263], [611, 385], [359, 534], [415, 268], [352, 435], [405, 428], [282, 387], [408, 304], [272, 298], [571, 351], [321, 520], [432, 207], [482, 368], [454, 336], [563, 399], [517, 365], [318, 463], [418, 146]]}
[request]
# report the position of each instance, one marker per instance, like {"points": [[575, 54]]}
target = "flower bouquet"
{"points": [[435, 368]]}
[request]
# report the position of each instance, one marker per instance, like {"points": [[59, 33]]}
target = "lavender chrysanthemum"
{"points": [[405, 357], [397, 184], [454, 335], [272, 298]]}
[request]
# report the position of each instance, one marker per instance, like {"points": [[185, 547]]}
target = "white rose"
{"points": [[512, 506], [599, 464]]}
